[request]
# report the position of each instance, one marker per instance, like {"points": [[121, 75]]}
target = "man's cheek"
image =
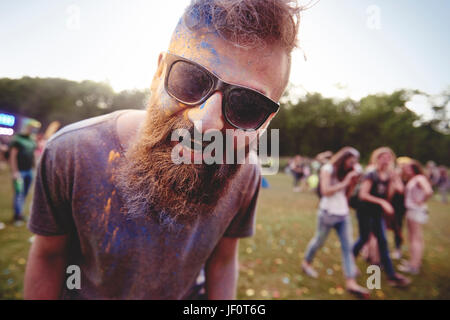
{"points": [[168, 105]]}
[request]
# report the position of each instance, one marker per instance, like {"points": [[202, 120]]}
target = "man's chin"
{"points": [[153, 184]]}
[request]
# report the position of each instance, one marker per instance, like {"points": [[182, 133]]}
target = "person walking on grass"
{"points": [[374, 193], [297, 168], [418, 190], [22, 162], [338, 179]]}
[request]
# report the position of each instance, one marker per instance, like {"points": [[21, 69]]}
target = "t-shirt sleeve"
{"points": [[327, 168], [371, 176], [51, 210], [14, 144], [243, 224]]}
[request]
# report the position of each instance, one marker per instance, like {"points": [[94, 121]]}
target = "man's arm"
{"points": [[13, 162], [45, 272], [222, 270]]}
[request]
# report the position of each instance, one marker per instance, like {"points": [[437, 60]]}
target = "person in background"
{"points": [[338, 180], [306, 174], [22, 161], [443, 183], [417, 191], [40, 145], [321, 159], [297, 170], [3, 151], [374, 195], [395, 222], [432, 173], [324, 157]]}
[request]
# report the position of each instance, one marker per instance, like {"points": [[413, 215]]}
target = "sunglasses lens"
{"points": [[247, 109], [187, 82]]}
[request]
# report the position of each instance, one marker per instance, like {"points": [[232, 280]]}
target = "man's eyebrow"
{"points": [[259, 90], [263, 92]]}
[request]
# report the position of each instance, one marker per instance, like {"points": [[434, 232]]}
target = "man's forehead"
{"points": [[264, 70]]}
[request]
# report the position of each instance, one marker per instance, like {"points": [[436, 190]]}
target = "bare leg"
{"points": [[416, 244], [373, 250]]}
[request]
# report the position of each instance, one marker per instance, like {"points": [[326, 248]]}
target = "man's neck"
{"points": [[128, 125]]}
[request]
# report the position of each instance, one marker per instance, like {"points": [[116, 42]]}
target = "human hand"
{"points": [[387, 207], [352, 175], [16, 175]]}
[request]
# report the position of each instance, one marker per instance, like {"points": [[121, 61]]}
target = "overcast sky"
{"points": [[353, 47]]}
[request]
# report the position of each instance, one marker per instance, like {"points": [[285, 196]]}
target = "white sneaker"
{"points": [[406, 268], [19, 223]]}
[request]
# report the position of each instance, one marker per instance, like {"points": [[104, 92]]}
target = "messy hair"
{"points": [[247, 23], [338, 160], [416, 167]]}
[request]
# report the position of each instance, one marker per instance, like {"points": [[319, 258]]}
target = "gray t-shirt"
{"points": [[122, 257]]}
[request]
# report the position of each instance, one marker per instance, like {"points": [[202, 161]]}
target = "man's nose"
{"points": [[209, 114]]}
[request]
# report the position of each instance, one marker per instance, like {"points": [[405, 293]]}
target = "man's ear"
{"points": [[159, 71], [160, 66]]}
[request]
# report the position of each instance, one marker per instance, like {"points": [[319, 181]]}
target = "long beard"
{"points": [[151, 184]]}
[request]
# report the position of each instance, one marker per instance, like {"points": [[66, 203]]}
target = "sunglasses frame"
{"points": [[217, 85]]}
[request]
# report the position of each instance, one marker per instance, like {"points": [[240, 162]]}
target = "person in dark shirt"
{"points": [[21, 159], [375, 190], [111, 198]]}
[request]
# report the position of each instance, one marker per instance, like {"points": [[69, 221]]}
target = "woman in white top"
{"points": [[338, 178], [417, 191]]}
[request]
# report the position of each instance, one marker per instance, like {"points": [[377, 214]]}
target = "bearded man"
{"points": [[111, 200]]}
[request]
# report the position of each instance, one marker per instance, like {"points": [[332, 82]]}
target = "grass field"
{"points": [[269, 261]]}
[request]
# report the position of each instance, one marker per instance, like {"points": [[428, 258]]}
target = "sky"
{"points": [[352, 47]]}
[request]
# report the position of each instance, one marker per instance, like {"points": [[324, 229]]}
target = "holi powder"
{"points": [[207, 46], [107, 212], [113, 155], [112, 240]]}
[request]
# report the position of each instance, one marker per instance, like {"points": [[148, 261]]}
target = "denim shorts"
{"points": [[330, 219], [418, 215]]}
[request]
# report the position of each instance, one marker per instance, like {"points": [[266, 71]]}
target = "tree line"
{"points": [[307, 126]]}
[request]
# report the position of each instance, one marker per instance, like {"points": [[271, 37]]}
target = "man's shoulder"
{"points": [[98, 123], [87, 137], [250, 173]]}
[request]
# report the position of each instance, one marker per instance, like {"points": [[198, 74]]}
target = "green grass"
{"points": [[14, 242], [269, 261]]}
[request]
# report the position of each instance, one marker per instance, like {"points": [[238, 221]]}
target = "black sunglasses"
{"points": [[192, 84]]}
